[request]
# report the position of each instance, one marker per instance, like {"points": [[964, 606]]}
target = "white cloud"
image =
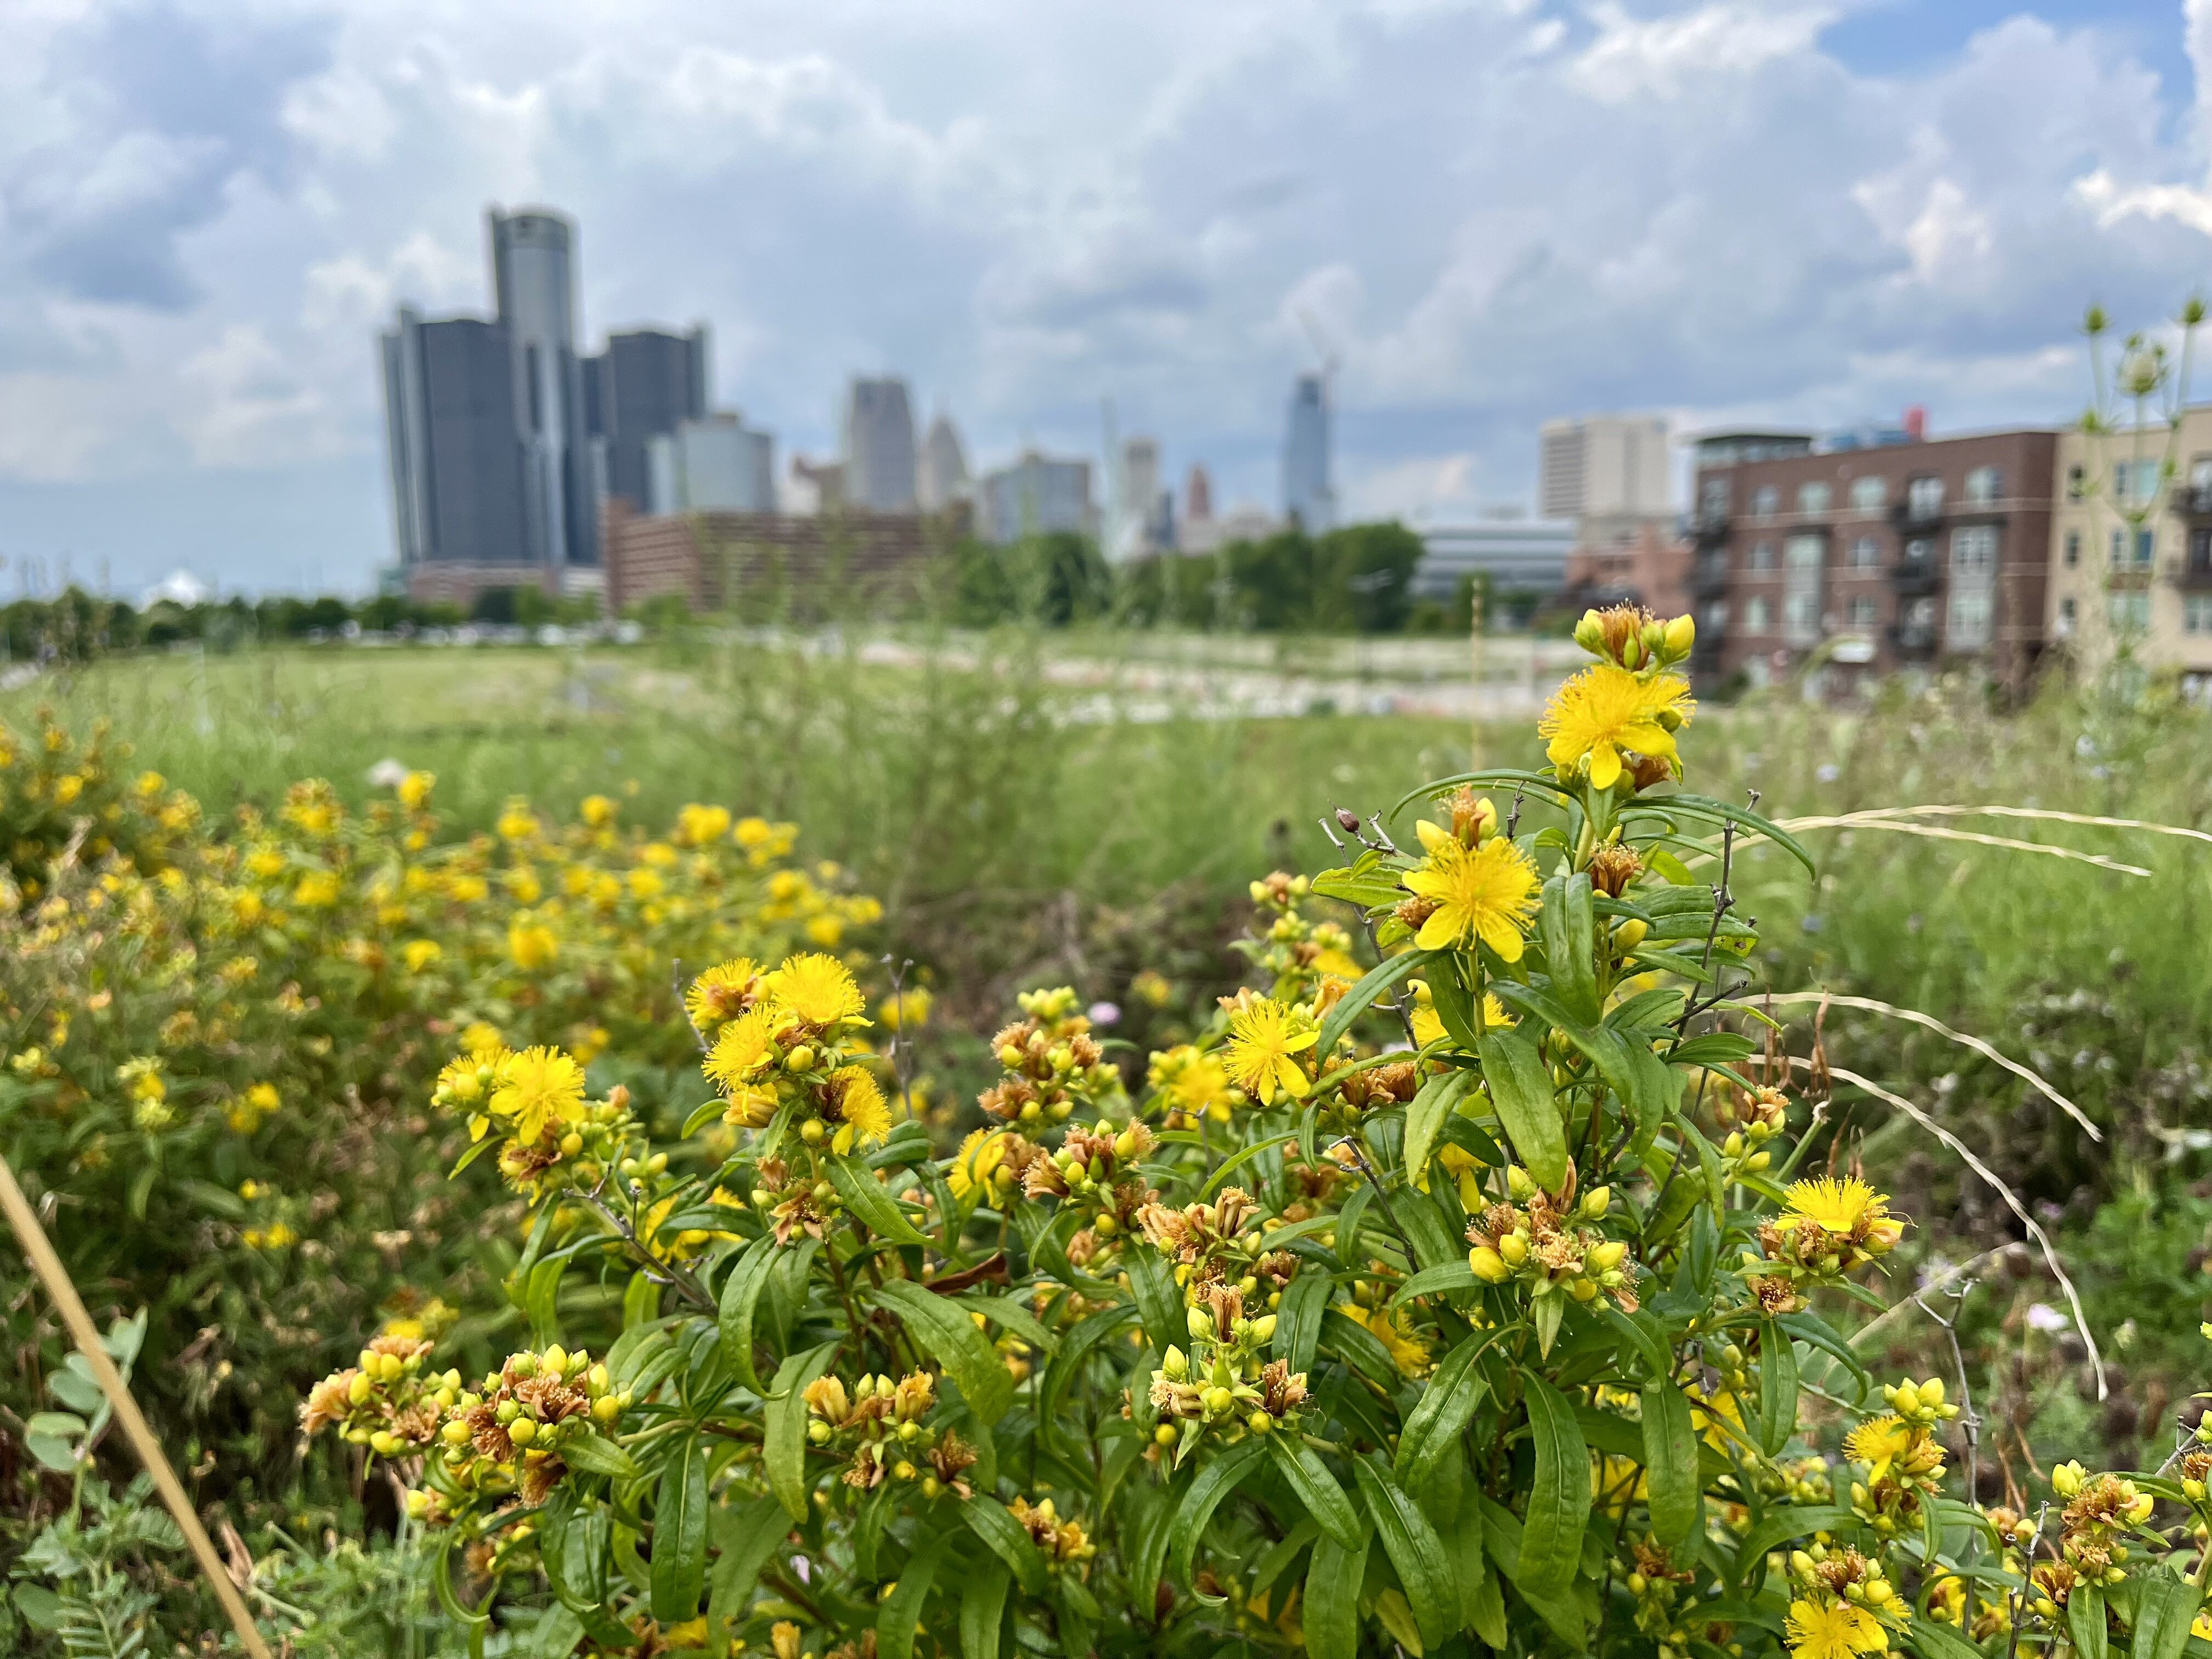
{"points": [[1664, 56]]}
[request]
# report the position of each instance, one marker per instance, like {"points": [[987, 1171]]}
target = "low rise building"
{"points": [[772, 567], [1851, 563], [2132, 547]]}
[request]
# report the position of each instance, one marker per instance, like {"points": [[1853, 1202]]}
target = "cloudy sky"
{"points": [[1493, 210]]}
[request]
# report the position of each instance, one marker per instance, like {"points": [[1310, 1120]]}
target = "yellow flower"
{"points": [[1406, 1348], [1835, 1206], [1429, 1026], [1261, 1040], [752, 832], [420, 953], [1488, 893], [645, 884], [539, 1088], [532, 945], [1605, 710], [825, 930], [1837, 1631], [1878, 1443], [480, 1037], [745, 1046], [318, 890], [719, 994], [866, 1116], [414, 788], [1195, 1082], [979, 1158], [516, 821], [598, 811], [817, 990], [908, 1007], [696, 825]]}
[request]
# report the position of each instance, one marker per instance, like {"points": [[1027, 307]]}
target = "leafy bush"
{"points": [[1482, 1295]]}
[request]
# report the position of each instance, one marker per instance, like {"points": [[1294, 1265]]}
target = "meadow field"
{"points": [[1034, 811]]}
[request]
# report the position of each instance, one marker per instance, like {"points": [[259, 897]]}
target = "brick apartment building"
{"points": [[768, 566], [1856, 562]]}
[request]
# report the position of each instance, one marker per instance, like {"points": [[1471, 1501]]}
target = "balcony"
{"points": [[2194, 574], [1912, 578], [1913, 639], [2190, 500], [1709, 577], [1912, 513], [1706, 526]]}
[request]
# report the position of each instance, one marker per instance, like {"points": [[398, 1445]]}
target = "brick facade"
{"points": [[439, 581], [768, 565], [1854, 563]]}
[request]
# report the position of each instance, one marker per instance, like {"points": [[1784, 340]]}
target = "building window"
{"points": [[2134, 482], [1713, 497], [1862, 611], [1755, 614], [1865, 553], [1971, 612], [2197, 613], [2119, 546], [2066, 616], [1974, 547], [1812, 497], [1762, 556], [2145, 548], [1923, 497], [2130, 613], [2073, 548], [1763, 501], [1869, 494], [1717, 616], [2076, 483], [1985, 483], [2200, 549], [2200, 472]]}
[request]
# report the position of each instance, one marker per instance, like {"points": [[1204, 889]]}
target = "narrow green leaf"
{"points": [[1441, 1415], [1076, 1347], [1006, 1538], [1356, 1345], [1783, 1526], [1565, 926], [1670, 1462], [1237, 1160], [2085, 1620], [541, 1300], [944, 1330], [1642, 1334], [2164, 1608], [1425, 1117], [901, 1613], [1316, 1488], [1159, 1305], [1414, 1550], [1936, 1641], [746, 1535], [1705, 806], [595, 1453], [1777, 1387], [741, 1292], [982, 1609], [1356, 1001], [1470, 1564], [783, 1435], [679, 1533], [1297, 1321], [878, 1211], [1521, 1088], [1008, 1313], [1220, 1477], [1331, 1599], [1447, 1276], [1559, 1496]]}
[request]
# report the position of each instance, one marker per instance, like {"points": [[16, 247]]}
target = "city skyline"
{"points": [[1806, 214]]}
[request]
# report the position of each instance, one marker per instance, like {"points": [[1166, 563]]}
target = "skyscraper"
{"points": [[944, 466], [456, 457], [1604, 466], [879, 457], [534, 286], [716, 465], [1035, 497], [1197, 495], [1138, 518], [644, 385], [1308, 495]]}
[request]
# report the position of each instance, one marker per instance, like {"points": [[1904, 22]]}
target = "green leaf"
{"points": [[2164, 1608], [1414, 1550], [1670, 1463], [1781, 1527], [595, 1453], [55, 1454], [2085, 1620], [1936, 1641], [1159, 1305], [982, 1607], [541, 1300], [1297, 1321], [1714, 1049], [1356, 1001], [783, 1432], [1427, 1116], [73, 1389], [1220, 1477], [741, 1292], [878, 1211], [1471, 1569], [746, 1536], [1559, 1497], [1356, 1345], [1441, 1415], [901, 1613], [1316, 1488], [679, 1533], [1006, 1538], [1642, 1334], [1705, 806], [943, 1330], [1521, 1088], [1008, 1313], [1237, 1159], [1076, 1347], [1331, 1599], [1777, 1387], [1566, 926], [1445, 1276], [1453, 1000]]}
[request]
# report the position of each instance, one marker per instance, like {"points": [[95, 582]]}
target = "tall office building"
{"points": [[534, 275], [458, 462], [1308, 497], [1036, 496], [647, 383], [715, 465], [943, 477], [1197, 495], [879, 457], [1137, 500], [1604, 466]]}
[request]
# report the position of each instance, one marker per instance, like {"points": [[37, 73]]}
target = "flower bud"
{"points": [[800, 1059], [1175, 1363], [522, 1431], [1589, 633], [1199, 1323], [1630, 934], [359, 1388], [1678, 635], [1263, 1329], [1608, 1255], [1514, 1248], [1519, 1182], [556, 1360], [1260, 1423], [1165, 1434], [1596, 1201], [1488, 1265]]}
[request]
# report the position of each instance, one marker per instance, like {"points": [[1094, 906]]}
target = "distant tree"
{"points": [[1363, 576], [495, 606]]}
